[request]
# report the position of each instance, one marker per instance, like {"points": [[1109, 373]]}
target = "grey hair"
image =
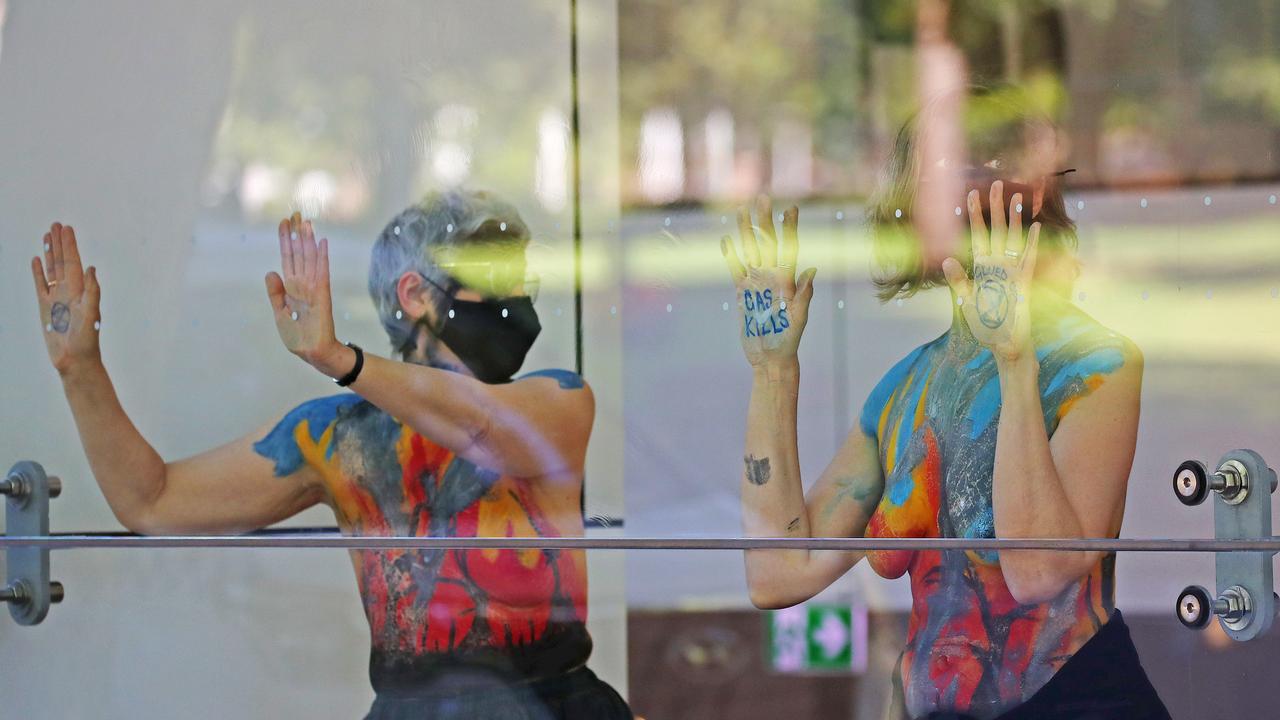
{"points": [[413, 238]]}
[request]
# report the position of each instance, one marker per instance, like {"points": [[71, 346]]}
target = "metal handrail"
{"points": [[291, 539]]}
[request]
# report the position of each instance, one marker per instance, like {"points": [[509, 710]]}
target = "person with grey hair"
{"points": [[441, 443]]}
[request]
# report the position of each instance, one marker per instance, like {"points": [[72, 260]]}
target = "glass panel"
{"points": [[469, 166], [234, 627]]}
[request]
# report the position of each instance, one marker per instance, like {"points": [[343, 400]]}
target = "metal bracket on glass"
{"points": [[1242, 485], [27, 587]]}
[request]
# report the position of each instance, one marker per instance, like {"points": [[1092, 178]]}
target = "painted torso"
{"points": [[518, 612], [970, 646]]}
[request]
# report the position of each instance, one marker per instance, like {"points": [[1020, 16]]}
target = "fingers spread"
{"points": [[1029, 254], [750, 250], [309, 261], [768, 232], [789, 250], [998, 228], [295, 244], [48, 256], [1014, 242], [56, 260], [736, 271], [42, 286], [71, 260], [322, 263], [978, 235], [956, 277]]}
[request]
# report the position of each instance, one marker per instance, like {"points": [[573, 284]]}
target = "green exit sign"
{"points": [[817, 638]]}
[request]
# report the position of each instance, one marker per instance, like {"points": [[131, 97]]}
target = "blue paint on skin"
{"points": [[568, 379], [279, 444], [869, 420], [1102, 361]]}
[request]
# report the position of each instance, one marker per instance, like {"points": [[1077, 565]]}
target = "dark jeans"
{"points": [[473, 694], [1103, 681]]}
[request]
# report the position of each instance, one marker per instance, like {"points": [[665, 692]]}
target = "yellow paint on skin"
{"points": [[314, 454], [501, 515]]}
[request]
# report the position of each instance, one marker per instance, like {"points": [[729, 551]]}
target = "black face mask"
{"points": [[491, 337]]}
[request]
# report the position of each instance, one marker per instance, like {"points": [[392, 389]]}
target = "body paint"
{"points": [[524, 610], [971, 647]]}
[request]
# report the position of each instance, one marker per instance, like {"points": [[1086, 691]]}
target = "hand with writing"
{"points": [[995, 302], [773, 300], [68, 296]]}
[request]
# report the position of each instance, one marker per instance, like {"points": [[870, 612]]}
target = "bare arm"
{"points": [[1073, 487], [532, 428], [775, 311], [229, 489]]}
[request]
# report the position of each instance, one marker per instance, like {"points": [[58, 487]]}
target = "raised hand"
{"points": [[773, 300], [995, 303], [68, 297], [301, 299]]}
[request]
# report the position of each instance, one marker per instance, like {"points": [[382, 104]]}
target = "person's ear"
{"points": [[416, 297]]}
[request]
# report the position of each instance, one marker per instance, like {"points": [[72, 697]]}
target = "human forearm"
{"points": [[1027, 493], [129, 471], [445, 406], [772, 495]]}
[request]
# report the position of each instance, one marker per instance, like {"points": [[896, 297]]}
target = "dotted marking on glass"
{"points": [[959, 212], [840, 304], [1208, 294], [396, 230], [502, 226], [451, 313], [1017, 208], [668, 307], [782, 305], [292, 235], [97, 324], [667, 222], [1146, 295], [46, 247], [779, 217], [898, 302], [399, 315], [897, 213], [448, 228], [613, 309], [724, 306], [839, 214], [504, 312], [1272, 199], [293, 315], [1208, 201], [959, 301], [1079, 204], [1143, 202], [48, 327], [723, 219]]}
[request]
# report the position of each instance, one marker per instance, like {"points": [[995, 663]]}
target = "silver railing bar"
{"points": [[333, 540]]}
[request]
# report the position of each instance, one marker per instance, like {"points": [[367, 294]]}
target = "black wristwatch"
{"points": [[350, 377]]}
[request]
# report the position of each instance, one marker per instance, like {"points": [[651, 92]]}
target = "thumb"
{"points": [[956, 277], [804, 288], [92, 290], [275, 291]]}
